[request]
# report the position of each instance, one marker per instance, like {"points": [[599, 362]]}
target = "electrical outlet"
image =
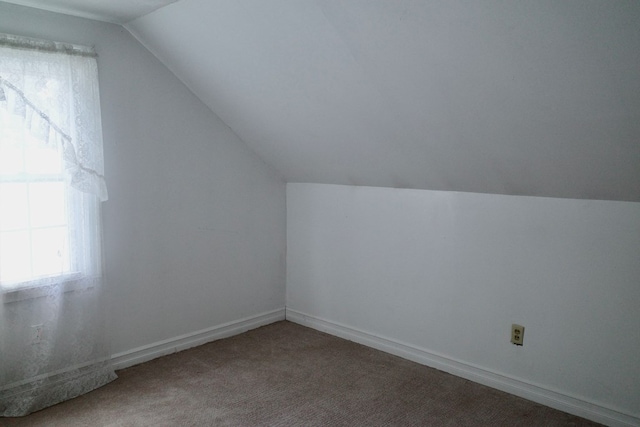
{"points": [[517, 334], [37, 333]]}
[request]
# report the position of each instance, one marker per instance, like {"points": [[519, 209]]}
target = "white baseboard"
{"points": [[182, 342], [536, 393]]}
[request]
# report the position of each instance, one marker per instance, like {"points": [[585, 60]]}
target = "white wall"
{"points": [[195, 238], [446, 274], [195, 224]]}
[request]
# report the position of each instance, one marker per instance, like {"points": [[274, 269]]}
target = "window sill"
{"points": [[43, 287]]}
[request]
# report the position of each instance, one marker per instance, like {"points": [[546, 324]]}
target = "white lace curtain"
{"points": [[54, 88], [53, 335]]}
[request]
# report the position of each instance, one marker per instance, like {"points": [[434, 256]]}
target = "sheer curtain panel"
{"points": [[53, 335]]}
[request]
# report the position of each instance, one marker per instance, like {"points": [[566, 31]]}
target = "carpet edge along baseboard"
{"points": [[536, 393]]}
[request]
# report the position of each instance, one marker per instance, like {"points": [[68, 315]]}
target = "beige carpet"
{"points": [[288, 375]]}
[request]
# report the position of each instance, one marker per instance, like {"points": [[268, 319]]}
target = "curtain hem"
{"points": [[37, 394]]}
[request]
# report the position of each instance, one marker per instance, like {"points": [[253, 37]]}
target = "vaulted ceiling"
{"points": [[536, 98]]}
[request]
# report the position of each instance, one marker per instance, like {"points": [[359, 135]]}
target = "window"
{"points": [[34, 226], [51, 186], [51, 179]]}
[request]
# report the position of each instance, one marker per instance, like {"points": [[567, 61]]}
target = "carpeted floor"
{"points": [[288, 375]]}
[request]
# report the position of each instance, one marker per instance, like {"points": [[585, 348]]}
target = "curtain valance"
{"points": [[54, 88]]}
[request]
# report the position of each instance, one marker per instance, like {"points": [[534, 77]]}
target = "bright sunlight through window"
{"points": [[51, 168], [34, 229]]}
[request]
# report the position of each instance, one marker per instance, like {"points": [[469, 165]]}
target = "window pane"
{"points": [[47, 204], [13, 206], [42, 158], [14, 256], [50, 254], [10, 161]]}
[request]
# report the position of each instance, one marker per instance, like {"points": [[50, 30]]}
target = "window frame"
{"points": [[82, 265]]}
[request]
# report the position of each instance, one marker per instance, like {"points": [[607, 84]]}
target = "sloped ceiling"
{"points": [[536, 98], [116, 11]]}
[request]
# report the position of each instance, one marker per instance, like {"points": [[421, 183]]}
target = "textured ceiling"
{"points": [[117, 11]]}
